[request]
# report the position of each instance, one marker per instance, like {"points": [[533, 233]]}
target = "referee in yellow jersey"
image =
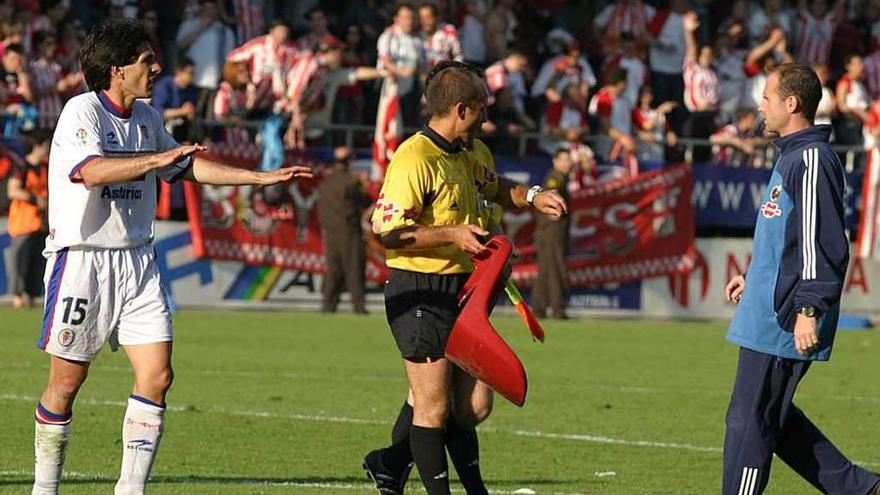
{"points": [[432, 217]]}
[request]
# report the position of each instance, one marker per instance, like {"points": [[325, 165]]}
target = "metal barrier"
{"points": [[850, 153]]}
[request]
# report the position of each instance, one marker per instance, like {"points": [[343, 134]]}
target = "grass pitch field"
{"points": [[289, 403]]}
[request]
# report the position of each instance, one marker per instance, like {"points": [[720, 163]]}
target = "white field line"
{"points": [[245, 481], [399, 379], [341, 419]]}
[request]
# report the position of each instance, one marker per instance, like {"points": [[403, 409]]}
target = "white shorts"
{"points": [[98, 295]]}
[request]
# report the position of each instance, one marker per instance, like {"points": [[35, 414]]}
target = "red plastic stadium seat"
{"points": [[474, 345]]}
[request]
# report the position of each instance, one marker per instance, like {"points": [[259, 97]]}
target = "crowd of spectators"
{"points": [[574, 71]]}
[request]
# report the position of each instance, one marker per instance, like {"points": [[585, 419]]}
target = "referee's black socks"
{"points": [[430, 456], [464, 450], [398, 456]]}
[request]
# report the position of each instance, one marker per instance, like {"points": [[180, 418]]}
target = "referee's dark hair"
{"points": [[112, 43], [450, 83], [800, 81]]}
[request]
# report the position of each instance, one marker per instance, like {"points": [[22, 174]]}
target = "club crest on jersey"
{"points": [[111, 138], [66, 337], [770, 209], [775, 192], [82, 136], [145, 131], [388, 211]]}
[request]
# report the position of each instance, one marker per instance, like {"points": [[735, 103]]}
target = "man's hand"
{"points": [[551, 204], [465, 237], [284, 174], [295, 137], [178, 154], [806, 339], [188, 110], [735, 288]]}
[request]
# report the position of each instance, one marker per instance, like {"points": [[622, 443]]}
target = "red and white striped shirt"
{"points": [[46, 74], [701, 88], [232, 102], [814, 37], [251, 18], [602, 103], [269, 65], [856, 94], [442, 45], [303, 81], [872, 74], [624, 17]]}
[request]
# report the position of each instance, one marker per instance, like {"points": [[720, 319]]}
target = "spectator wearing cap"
{"points": [[312, 85], [28, 189], [624, 16], [701, 88], [666, 60], [439, 39], [402, 55], [206, 41], [561, 71], [269, 58], [318, 29], [175, 97]]}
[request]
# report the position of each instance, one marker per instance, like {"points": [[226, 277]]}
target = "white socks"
{"points": [[141, 431], [51, 434]]}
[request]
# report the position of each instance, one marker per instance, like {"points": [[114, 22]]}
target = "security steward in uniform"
{"points": [[552, 245], [431, 221], [342, 200]]}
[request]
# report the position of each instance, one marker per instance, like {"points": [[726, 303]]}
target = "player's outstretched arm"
{"points": [[100, 171], [207, 171]]}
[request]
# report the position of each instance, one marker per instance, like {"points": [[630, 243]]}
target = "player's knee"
{"points": [[157, 382], [66, 385], [474, 414], [431, 413]]}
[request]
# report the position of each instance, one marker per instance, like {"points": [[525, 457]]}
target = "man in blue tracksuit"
{"points": [[787, 314]]}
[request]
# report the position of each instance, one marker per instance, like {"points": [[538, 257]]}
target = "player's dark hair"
{"points": [[15, 48], [744, 112], [800, 81], [112, 43], [560, 151], [451, 82], [278, 22], [849, 58]]}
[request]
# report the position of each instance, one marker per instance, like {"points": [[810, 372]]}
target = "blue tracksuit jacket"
{"points": [[800, 251]]}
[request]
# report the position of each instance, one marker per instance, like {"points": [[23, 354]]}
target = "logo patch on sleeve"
{"points": [[389, 210], [82, 136], [770, 209]]}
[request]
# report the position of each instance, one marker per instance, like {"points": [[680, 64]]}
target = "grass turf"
{"points": [[289, 403]]}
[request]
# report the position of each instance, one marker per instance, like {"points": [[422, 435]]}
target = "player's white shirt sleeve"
{"points": [[112, 216]]}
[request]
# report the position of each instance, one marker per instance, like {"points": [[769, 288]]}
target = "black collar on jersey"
{"points": [[817, 133], [111, 107], [441, 141]]}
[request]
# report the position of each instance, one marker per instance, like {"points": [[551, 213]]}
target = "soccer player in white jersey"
{"points": [[102, 282]]}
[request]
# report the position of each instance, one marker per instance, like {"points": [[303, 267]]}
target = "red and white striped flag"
{"points": [[389, 128], [868, 241]]}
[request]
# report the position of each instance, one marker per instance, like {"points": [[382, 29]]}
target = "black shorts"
{"points": [[421, 310]]}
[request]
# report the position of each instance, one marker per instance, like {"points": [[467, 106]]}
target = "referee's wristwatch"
{"points": [[808, 311], [533, 191]]}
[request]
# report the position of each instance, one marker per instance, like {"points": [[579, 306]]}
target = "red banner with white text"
{"points": [[620, 230]]}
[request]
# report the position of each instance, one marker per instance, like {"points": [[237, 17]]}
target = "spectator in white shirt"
{"points": [[401, 54], [852, 102], [559, 72], [207, 41], [827, 105], [666, 58]]}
